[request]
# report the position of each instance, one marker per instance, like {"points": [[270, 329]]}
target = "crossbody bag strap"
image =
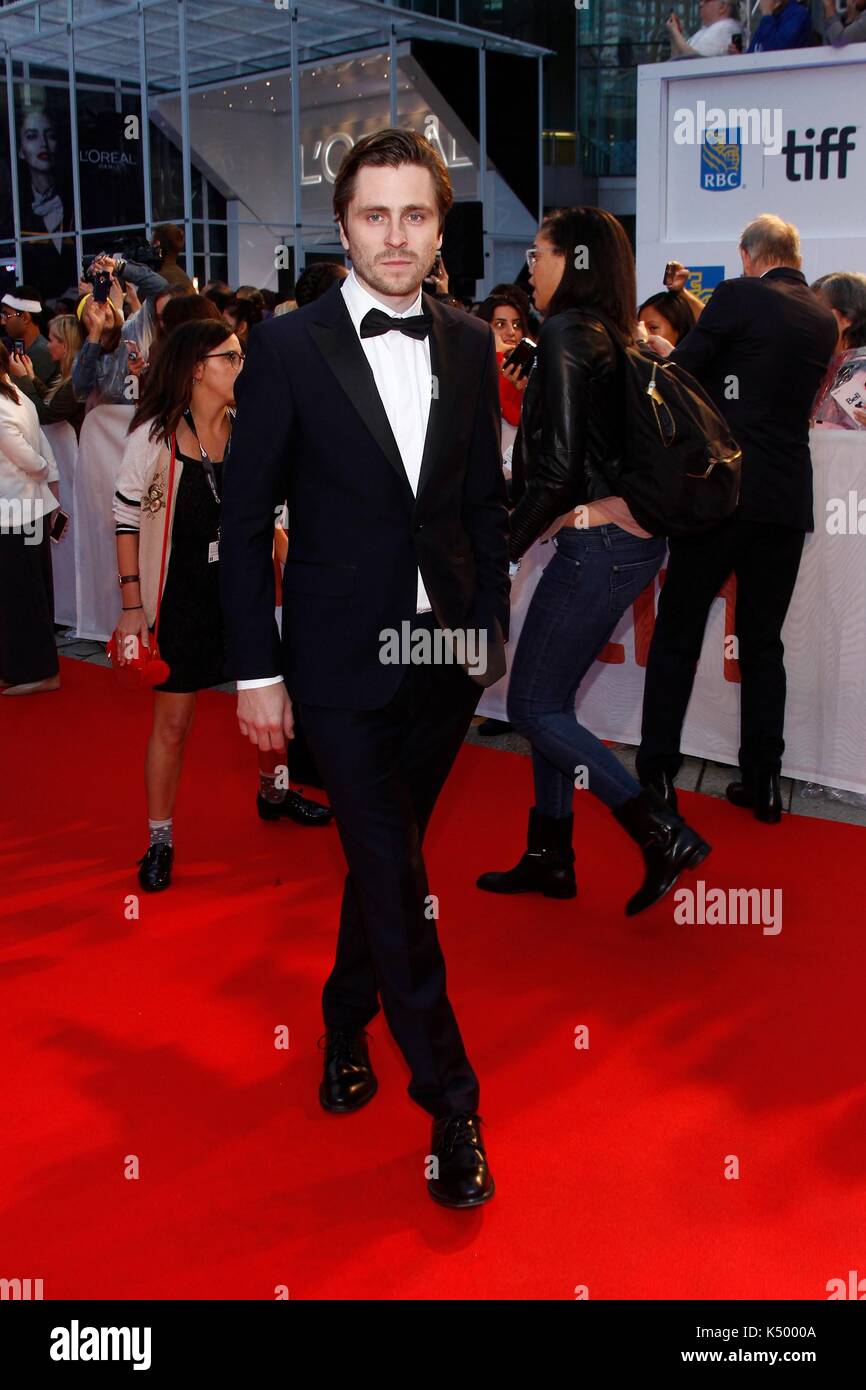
{"points": [[168, 502]]}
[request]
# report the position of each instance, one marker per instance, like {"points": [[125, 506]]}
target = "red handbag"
{"points": [[143, 667]]}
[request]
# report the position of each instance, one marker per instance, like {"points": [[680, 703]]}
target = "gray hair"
{"points": [[844, 291], [769, 238]]}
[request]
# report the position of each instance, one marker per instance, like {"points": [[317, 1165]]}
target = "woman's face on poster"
{"points": [[38, 142]]}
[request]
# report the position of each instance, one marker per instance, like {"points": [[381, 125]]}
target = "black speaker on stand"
{"points": [[463, 248]]}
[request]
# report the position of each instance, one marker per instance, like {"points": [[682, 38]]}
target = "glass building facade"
{"points": [[590, 85]]}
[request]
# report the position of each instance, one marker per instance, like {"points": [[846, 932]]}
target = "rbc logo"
{"points": [[721, 160]]}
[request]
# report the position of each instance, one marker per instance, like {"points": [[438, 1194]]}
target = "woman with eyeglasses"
{"points": [[188, 398], [570, 436]]}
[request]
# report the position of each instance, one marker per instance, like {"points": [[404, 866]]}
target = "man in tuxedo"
{"points": [[375, 412], [760, 348]]}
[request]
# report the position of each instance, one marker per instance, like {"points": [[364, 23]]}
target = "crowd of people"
{"points": [[784, 24], [104, 352], [223, 384]]}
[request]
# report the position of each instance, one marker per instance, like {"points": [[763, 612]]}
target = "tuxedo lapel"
{"points": [[333, 332], [445, 370]]}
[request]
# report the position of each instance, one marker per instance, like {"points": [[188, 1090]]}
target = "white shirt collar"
{"points": [[359, 301]]}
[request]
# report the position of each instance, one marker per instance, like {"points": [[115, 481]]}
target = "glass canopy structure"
{"points": [[260, 93]]}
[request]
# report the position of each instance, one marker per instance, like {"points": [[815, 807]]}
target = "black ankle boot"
{"points": [[762, 794], [663, 785], [668, 846], [547, 866]]}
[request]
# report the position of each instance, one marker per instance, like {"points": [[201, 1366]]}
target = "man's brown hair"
{"points": [[391, 148]]}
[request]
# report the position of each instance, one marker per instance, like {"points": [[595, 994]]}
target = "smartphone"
{"points": [[737, 41], [522, 356], [87, 266], [59, 523], [667, 278], [20, 347], [101, 286]]}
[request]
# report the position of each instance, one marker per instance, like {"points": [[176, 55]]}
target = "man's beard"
{"points": [[373, 272]]}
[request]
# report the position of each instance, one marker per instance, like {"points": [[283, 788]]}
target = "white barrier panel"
{"points": [[824, 636], [100, 450], [62, 439], [695, 195]]}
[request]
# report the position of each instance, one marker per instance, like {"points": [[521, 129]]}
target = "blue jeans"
{"points": [[595, 575]]}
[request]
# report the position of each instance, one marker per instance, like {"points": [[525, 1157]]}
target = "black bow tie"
{"points": [[376, 321]]}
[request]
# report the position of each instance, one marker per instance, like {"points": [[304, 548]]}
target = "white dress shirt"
{"points": [[401, 371]]}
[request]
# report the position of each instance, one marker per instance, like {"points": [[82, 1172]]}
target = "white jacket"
{"points": [[27, 465], [146, 462]]}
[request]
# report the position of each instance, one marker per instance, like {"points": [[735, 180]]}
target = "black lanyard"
{"points": [[207, 464]]}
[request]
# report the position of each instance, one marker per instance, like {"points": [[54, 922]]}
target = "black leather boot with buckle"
{"points": [[668, 846], [547, 866]]}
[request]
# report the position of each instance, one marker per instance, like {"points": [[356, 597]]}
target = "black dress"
{"points": [[190, 619]]}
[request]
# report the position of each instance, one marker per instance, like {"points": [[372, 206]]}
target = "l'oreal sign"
{"points": [[328, 154]]}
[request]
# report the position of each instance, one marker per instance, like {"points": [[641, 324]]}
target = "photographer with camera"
{"points": [[55, 403], [720, 27], [101, 370]]}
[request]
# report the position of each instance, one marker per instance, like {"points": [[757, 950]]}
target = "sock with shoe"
{"points": [[154, 868]]}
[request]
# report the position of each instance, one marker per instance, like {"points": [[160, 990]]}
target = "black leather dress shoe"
{"points": [[762, 795], [298, 808], [493, 728], [154, 869], [348, 1081], [663, 785], [462, 1177]]}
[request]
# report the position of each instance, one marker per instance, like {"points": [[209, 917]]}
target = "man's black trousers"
{"points": [[383, 770], [765, 559]]}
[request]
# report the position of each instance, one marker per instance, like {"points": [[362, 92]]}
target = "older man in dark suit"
{"points": [[375, 412], [760, 348]]}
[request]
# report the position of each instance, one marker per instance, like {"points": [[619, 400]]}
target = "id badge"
{"points": [[213, 552]]}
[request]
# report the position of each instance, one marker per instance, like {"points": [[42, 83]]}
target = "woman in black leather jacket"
{"points": [[570, 437]]}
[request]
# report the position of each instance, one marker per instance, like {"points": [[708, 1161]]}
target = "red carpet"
{"points": [[155, 1038]]}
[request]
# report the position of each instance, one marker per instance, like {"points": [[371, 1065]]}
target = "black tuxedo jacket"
{"points": [[311, 429], [769, 339]]}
